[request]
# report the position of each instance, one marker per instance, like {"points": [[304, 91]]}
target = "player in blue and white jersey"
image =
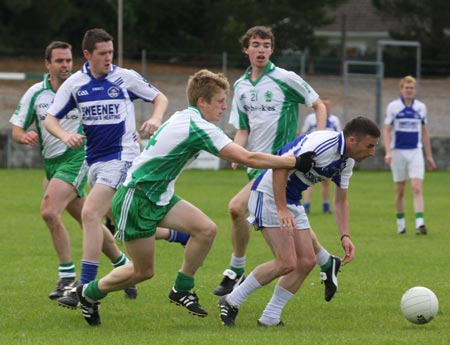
{"points": [[265, 112], [276, 209], [405, 134], [104, 94], [147, 199], [65, 168], [310, 124]]}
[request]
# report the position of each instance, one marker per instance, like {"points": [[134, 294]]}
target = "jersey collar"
{"points": [[47, 84], [269, 68], [406, 106], [87, 70], [195, 109]]}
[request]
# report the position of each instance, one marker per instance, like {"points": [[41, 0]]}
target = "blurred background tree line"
{"points": [[195, 27]]}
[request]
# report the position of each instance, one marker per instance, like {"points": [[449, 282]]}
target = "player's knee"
{"points": [[306, 264], [286, 266], [143, 274], [49, 215], [88, 215], [416, 190], [237, 209], [210, 231]]}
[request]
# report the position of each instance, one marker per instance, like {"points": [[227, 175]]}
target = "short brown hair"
{"points": [[94, 36], [55, 45], [263, 32], [360, 127], [205, 84]]}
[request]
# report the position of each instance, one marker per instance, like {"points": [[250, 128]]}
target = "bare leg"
{"points": [[58, 195], [142, 253], [289, 284], [191, 220], [416, 186], [240, 229], [400, 197], [96, 206]]}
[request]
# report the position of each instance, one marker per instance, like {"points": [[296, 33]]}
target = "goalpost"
{"points": [[368, 75]]}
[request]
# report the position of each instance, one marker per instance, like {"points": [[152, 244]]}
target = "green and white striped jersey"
{"points": [[170, 150], [33, 107], [269, 107]]}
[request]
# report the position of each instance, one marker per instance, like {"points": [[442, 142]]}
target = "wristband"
{"points": [[342, 237]]}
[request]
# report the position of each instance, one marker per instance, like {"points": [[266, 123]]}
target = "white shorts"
{"points": [[110, 173], [407, 164], [263, 212]]}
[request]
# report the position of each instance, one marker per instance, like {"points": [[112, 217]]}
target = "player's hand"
{"points": [[149, 127], [234, 166], [430, 163], [73, 140], [388, 159], [287, 222], [30, 138], [305, 161], [349, 249]]}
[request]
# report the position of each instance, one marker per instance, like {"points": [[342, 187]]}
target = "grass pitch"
{"points": [[366, 309]]}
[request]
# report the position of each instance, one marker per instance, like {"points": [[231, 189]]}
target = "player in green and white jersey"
{"points": [[147, 199], [65, 168], [265, 112]]}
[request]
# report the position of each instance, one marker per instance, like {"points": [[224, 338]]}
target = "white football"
{"points": [[419, 305]]}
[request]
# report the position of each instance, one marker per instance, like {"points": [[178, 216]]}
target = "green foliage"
{"points": [[366, 309], [180, 26], [424, 21]]}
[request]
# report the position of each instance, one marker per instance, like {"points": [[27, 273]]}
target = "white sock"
{"points": [[419, 222], [241, 293], [272, 313], [237, 262], [400, 224], [322, 257]]}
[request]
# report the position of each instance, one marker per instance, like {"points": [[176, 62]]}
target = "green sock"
{"points": [[67, 271], [419, 214], [323, 268], [93, 292], [120, 261], [400, 215], [184, 282], [239, 271]]}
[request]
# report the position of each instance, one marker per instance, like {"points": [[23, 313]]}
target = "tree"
{"points": [[170, 26], [423, 21]]}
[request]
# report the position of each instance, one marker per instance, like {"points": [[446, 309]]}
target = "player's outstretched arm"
{"points": [[236, 153]]}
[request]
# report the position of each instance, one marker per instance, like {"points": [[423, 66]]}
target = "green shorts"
{"points": [[135, 215], [71, 167]]}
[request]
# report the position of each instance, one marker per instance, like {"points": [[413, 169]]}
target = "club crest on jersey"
{"points": [[268, 96], [113, 92]]}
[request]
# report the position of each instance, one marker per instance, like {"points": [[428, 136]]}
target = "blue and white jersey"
{"points": [[107, 110], [406, 123], [310, 124], [330, 163]]}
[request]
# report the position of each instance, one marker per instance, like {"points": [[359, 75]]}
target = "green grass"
{"points": [[364, 311]]}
